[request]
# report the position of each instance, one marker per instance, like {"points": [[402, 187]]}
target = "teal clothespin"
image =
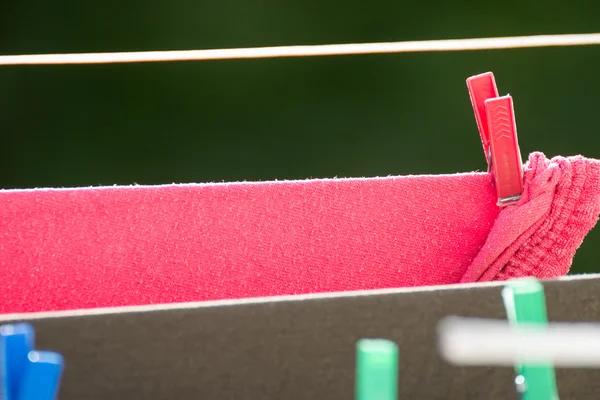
{"points": [[526, 305], [376, 370]]}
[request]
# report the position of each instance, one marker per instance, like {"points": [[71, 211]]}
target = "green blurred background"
{"points": [[283, 118]]}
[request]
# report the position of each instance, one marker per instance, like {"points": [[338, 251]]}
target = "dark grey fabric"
{"points": [[294, 349]]}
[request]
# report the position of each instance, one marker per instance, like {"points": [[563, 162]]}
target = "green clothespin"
{"points": [[526, 305], [376, 370]]}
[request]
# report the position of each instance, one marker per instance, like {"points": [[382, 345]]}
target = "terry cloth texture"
{"points": [[539, 236], [117, 246]]}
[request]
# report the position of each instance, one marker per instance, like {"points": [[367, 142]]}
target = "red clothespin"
{"points": [[496, 122]]}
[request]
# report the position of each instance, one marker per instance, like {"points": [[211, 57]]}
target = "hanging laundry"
{"points": [[136, 245]]}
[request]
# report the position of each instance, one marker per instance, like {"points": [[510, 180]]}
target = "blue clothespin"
{"points": [[16, 341], [41, 379], [26, 374]]}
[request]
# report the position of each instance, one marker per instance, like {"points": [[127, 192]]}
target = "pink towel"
{"points": [[539, 236], [116, 246]]}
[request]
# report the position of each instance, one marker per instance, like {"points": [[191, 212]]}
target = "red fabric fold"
{"points": [[118, 246], [540, 234]]}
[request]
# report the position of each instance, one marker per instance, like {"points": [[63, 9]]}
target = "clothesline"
{"points": [[306, 51]]}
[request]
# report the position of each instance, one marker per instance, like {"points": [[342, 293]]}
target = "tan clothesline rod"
{"points": [[306, 51]]}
